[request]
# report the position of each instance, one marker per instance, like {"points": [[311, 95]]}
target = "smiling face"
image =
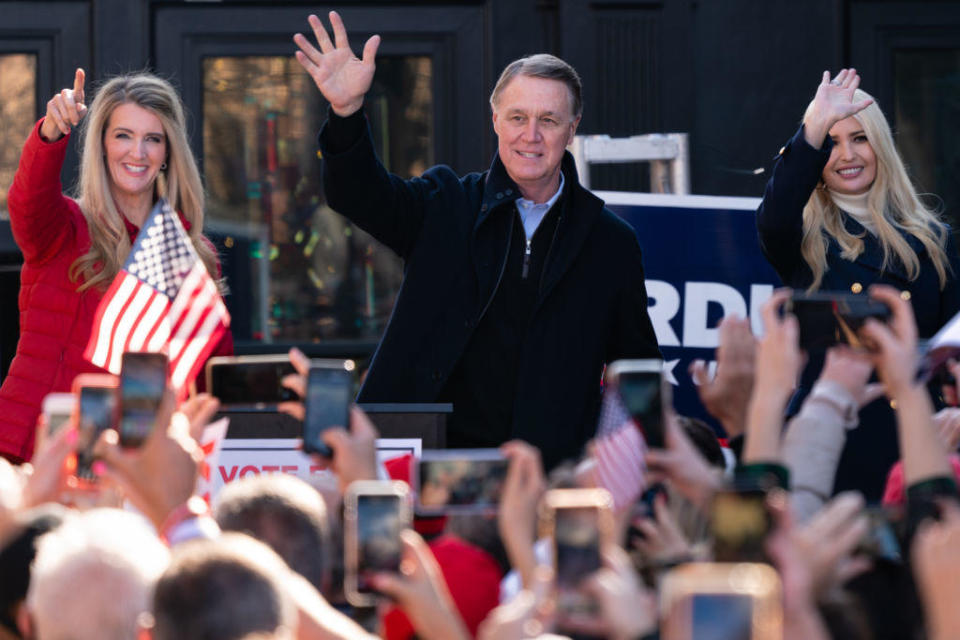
{"points": [[534, 122], [135, 148], [852, 166]]}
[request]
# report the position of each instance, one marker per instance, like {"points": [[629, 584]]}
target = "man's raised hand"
{"points": [[342, 78]]}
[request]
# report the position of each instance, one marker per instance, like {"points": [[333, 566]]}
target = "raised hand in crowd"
{"points": [[947, 423], [895, 358], [727, 394], [162, 474], [342, 78], [627, 607], [48, 474], [662, 540], [354, 451], [936, 565], [65, 110], [828, 541], [517, 512], [832, 103], [779, 362], [801, 620], [529, 614], [421, 591], [682, 465]]}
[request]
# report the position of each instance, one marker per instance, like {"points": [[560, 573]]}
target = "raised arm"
{"points": [[797, 171], [341, 77], [39, 212]]}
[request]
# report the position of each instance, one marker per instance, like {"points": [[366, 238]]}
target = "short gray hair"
{"points": [[542, 65]]}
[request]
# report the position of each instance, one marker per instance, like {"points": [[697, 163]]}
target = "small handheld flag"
{"points": [[162, 300]]}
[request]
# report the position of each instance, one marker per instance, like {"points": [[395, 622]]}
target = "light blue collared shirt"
{"points": [[532, 214]]}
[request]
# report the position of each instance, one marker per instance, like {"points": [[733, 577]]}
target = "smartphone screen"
{"points": [[98, 406], [329, 393], [740, 523], [721, 616], [246, 385], [577, 544], [58, 407], [829, 318], [143, 379], [379, 523], [467, 481], [640, 392]]}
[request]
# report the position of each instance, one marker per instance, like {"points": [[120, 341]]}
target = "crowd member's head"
{"points": [[223, 589], [93, 577], [285, 513], [17, 551], [864, 160], [536, 109], [134, 145]]}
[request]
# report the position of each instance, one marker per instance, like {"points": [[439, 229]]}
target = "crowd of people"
{"points": [[837, 467]]}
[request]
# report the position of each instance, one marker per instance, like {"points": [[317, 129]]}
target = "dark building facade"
{"points": [[734, 74]]}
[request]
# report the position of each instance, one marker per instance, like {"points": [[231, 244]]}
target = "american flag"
{"points": [[619, 449], [162, 300]]}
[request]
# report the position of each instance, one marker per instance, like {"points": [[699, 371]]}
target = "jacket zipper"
{"points": [[526, 260]]}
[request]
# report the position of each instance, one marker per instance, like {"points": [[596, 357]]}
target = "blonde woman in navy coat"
{"points": [[840, 214]]}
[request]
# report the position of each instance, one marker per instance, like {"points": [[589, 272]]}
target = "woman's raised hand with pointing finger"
{"points": [[342, 78], [65, 110]]}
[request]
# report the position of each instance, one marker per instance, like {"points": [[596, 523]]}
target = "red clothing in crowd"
{"points": [[55, 319]]}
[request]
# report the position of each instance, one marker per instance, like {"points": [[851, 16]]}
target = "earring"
{"points": [[163, 167]]}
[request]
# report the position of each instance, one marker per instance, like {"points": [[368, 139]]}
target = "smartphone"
{"points": [[143, 381], [739, 523], [57, 409], [833, 317], [579, 522], [375, 512], [643, 508], [97, 403], [720, 601], [452, 481], [250, 383], [880, 542], [329, 394], [640, 386]]}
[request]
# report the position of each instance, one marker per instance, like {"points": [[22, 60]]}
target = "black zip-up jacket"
{"points": [[454, 235]]}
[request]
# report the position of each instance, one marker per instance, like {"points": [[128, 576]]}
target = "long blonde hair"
{"points": [[180, 183], [893, 206]]}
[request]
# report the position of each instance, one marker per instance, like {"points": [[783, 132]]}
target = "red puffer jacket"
{"points": [[55, 319]]}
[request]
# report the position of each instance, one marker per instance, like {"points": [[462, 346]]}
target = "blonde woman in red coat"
{"points": [[135, 150]]}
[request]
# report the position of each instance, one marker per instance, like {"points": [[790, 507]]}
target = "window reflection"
{"points": [[927, 117], [18, 110], [297, 271]]}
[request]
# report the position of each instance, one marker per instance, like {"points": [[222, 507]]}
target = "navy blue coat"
{"points": [[871, 448], [453, 234]]}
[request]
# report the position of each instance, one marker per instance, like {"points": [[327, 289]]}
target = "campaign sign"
{"points": [[702, 261]]}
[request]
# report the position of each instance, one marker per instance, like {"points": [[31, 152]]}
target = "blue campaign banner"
{"points": [[702, 261]]}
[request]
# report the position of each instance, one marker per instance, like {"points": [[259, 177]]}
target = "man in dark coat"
{"points": [[519, 284]]}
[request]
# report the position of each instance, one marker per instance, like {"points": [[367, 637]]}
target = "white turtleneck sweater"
{"points": [[856, 207]]}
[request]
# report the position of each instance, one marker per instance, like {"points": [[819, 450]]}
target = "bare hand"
{"points": [[851, 370], [296, 382], [64, 110], [662, 539], [896, 341], [527, 615], [682, 465], [828, 540], [422, 592], [779, 360], [342, 78], [947, 423], [727, 395], [936, 563], [162, 474], [832, 103], [517, 515], [628, 608], [354, 452]]}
